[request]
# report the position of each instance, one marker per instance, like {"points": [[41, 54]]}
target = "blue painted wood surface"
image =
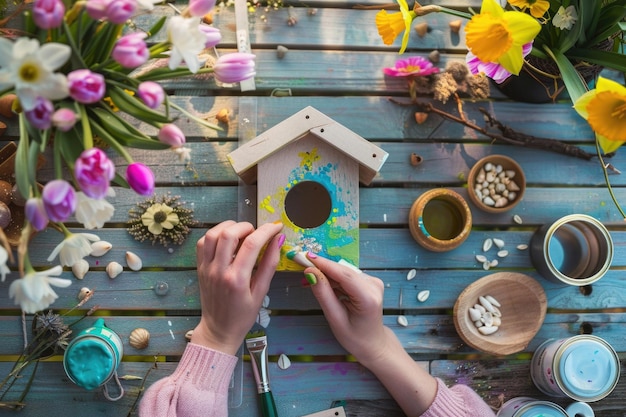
{"points": [[334, 63]]}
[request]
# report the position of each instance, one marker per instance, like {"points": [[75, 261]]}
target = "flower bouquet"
{"points": [[77, 70]]}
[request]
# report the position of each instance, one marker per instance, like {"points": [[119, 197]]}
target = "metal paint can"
{"points": [[92, 357], [529, 407], [576, 250], [584, 368]]}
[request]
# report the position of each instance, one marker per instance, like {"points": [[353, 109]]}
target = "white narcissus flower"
{"points": [[93, 213], [565, 18], [73, 248], [33, 292], [147, 4], [4, 257], [30, 68], [184, 154], [187, 42]]}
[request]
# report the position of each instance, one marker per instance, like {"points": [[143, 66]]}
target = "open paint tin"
{"points": [[576, 250], [529, 407]]}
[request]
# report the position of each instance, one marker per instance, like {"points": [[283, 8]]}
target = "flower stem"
{"points": [[87, 133], [192, 117], [608, 182]]}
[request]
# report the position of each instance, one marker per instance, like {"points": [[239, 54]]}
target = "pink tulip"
{"points": [[64, 119], [96, 9], [85, 86], [151, 94], [213, 35], [119, 11], [36, 213], [40, 116], [131, 51], [199, 8], [171, 134], [59, 200], [235, 67], [48, 14], [93, 171], [140, 178]]}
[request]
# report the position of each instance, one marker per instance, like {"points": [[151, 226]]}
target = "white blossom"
{"points": [[73, 248], [33, 292], [565, 18], [93, 213], [4, 257], [187, 42]]}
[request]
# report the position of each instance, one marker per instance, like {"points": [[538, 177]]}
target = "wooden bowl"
{"points": [[516, 183], [523, 306]]}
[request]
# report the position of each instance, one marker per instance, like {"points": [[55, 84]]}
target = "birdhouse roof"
{"points": [[308, 121]]}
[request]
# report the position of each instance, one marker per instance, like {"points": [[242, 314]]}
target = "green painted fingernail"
{"points": [[310, 278]]}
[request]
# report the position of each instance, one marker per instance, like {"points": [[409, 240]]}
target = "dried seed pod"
{"points": [[100, 247], [139, 338], [80, 268], [114, 269], [283, 361], [133, 261]]}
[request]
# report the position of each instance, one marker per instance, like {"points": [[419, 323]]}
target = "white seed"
{"points": [[100, 247], [133, 261], [493, 301], [517, 219], [283, 361], [84, 292], [423, 295], [402, 321], [503, 253], [474, 314], [80, 268], [487, 330], [411, 274], [487, 244], [487, 319], [480, 308], [496, 312], [485, 303], [114, 269], [493, 263], [489, 201], [481, 258], [486, 265], [479, 323], [497, 321], [522, 247], [498, 242]]}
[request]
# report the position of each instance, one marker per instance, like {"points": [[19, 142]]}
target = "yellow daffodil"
{"points": [[604, 108], [390, 25], [537, 7], [496, 35]]}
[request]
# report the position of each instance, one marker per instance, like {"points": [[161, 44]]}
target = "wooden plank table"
{"points": [[334, 64]]}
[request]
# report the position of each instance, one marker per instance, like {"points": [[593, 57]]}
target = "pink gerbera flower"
{"points": [[492, 70], [412, 66]]}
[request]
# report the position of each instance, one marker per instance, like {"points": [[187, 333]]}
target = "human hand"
{"points": [[231, 288], [352, 303]]}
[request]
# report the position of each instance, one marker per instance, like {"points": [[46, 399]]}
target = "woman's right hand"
{"points": [[352, 303]]}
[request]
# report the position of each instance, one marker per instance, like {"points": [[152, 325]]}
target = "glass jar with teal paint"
{"points": [[92, 358]]}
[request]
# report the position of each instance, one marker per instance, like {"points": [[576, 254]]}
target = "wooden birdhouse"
{"points": [[307, 169]]}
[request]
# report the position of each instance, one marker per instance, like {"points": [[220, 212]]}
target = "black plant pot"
{"points": [[531, 87]]}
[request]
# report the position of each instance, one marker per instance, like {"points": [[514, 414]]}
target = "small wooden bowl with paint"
{"points": [[523, 306], [496, 183]]}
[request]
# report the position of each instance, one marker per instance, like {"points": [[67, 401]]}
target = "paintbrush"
{"points": [[256, 342]]}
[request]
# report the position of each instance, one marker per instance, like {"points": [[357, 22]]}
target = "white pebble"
{"points": [[423, 295], [489, 201]]}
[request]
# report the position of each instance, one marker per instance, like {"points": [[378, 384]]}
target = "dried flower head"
{"points": [[164, 220], [51, 333]]}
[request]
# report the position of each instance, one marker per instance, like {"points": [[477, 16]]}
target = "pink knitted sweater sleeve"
{"points": [[198, 386]]}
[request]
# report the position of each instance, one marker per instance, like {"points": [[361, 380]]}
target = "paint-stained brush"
{"points": [[256, 342]]}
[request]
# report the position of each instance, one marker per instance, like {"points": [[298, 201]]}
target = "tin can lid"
{"points": [[89, 362], [589, 369], [542, 410]]}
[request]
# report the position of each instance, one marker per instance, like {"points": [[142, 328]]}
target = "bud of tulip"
{"points": [[59, 200], [131, 51], [36, 213], [140, 178], [93, 171], [85, 86], [171, 134], [151, 94], [40, 116], [235, 67], [48, 14], [64, 119]]}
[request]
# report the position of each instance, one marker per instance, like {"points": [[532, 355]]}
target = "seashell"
{"points": [[522, 247], [114, 269], [512, 186], [501, 202], [80, 268], [493, 301], [487, 330], [509, 173], [133, 261], [100, 247], [487, 318], [415, 159], [481, 258], [263, 318], [188, 335], [139, 338], [402, 321], [517, 219], [493, 263], [411, 274], [480, 177], [474, 314], [485, 303], [497, 321], [283, 361], [487, 244], [434, 56], [479, 323], [503, 253], [84, 292], [498, 242], [486, 265], [496, 312], [423, 295]]}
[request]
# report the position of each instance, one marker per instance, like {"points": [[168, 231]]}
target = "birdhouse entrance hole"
{"points": [[308, 204]]}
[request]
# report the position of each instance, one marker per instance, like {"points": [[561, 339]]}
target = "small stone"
{"points": [[421, 29], [434, 56], [281, 51], [455, 26], [420, 117], [489, 201]]}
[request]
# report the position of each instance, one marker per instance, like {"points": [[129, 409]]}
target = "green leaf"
{"points": [[157, 27], [135, 107], [606, 59], [117, 129], [607, 26], [24, 170], [574, 83]]}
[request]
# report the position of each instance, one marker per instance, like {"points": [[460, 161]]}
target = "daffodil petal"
{"points": [[605, 84], [523, 28], [512, 60], [492, 7], [583, 101], [608, 145]]}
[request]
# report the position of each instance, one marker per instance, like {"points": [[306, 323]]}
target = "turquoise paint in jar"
{"points": [[92, 358], [583, 368], [530, 407]]}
